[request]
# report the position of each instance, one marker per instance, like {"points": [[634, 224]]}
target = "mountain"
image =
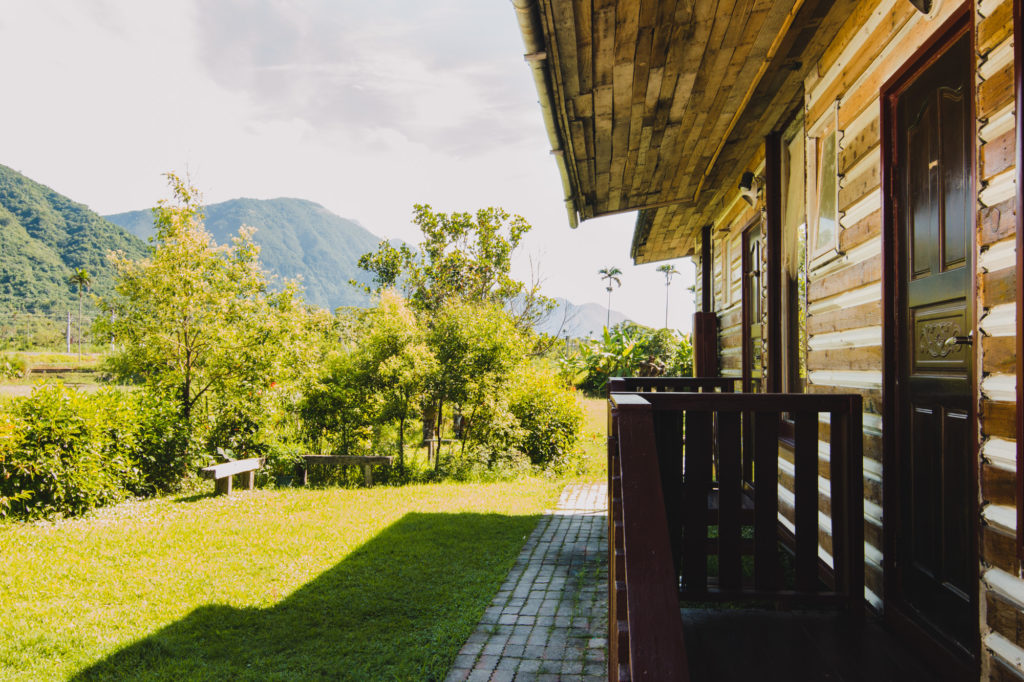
{"points": [[44, 237], [297, 238], [578, 321]]}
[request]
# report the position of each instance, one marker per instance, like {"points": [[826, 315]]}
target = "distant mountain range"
{"points": [[577, 321], [297, 238], [44, 238]]}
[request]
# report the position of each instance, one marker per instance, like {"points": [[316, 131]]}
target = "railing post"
{"points": [[656, 650]]}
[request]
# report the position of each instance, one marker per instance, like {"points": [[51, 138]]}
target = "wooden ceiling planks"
{"points": [[645, 90], [670, 231]]}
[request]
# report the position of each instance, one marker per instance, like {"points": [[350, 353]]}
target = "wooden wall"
{"points": [[844, 289]]}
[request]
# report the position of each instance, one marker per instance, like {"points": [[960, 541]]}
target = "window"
{"points": [[825, 223]]}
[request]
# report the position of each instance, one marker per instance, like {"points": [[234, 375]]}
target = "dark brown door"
{"points": [[936, 562]]}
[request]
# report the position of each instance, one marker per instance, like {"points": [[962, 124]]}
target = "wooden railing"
{"points": [[685, 521]]}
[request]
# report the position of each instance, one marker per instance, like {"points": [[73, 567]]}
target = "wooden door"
{"points": [[752, 309], [933, 202]]}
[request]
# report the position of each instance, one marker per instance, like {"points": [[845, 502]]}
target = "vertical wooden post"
{"points": [[250, 480], [367, 475], [705, 323], [773, 243]]}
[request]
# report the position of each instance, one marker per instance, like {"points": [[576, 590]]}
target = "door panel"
{"points": [[932, 169]]}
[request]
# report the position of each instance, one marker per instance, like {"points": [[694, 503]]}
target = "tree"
{"points": [[610, 275], [81, 279], [668, 270], [196, 321], [464, 257], [395, 363]]}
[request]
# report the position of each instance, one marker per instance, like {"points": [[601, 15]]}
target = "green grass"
{"points": [[382, 583], [594, 442]]}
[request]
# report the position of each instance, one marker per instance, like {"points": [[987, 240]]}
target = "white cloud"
{"points": [[365, 108]]}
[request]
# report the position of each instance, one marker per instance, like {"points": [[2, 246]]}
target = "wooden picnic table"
{"points": [[365, 461]]}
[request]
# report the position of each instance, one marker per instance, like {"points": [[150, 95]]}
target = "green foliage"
{"points": [[463, 257], [627, 349], [44, 238], [197, 324], [550, 419], [12, 366], [66, 452]]}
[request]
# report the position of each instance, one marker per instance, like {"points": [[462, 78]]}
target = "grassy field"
{"points": [[337, 583]]}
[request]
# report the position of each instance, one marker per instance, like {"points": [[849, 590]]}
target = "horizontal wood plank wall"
{"points": [[844, 292], [1002, 632], [844, 321]]}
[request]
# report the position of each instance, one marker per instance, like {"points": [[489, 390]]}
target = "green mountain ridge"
{"points": [[298, 239], [44, 238]]}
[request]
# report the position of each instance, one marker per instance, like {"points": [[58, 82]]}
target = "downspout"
{"points": [[528, 13]]}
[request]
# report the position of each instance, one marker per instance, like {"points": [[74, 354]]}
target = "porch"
{"points": [[736, 539]]}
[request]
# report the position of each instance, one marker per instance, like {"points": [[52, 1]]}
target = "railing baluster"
{"points": [[668, 435], [697, 476], [766, 500], [805, 461], [730, 484], [847, 449]]}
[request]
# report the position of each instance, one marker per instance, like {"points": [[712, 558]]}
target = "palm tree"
{"points": [[81, 279], [669, 270], [611, 275]]}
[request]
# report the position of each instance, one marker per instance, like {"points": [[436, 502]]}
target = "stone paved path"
{"points": [[549, 620]]}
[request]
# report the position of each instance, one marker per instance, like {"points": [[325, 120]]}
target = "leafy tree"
{"points": [[668, 270], [395, 363], [463, 256], [81, 279], [478, 348], [196, 321], [611, 275]]}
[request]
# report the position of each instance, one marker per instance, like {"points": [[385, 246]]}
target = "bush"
{"points": [[12, 366], [550, 418], [165, 457], [63, 452], [627, 349]]}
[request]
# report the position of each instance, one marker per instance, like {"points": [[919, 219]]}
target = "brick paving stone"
{"points": [[549, 619]]}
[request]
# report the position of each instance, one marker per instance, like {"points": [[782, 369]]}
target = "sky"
{"points": [[364, 107]]}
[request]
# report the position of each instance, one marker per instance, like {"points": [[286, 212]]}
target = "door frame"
{"points": [[893, 337]]}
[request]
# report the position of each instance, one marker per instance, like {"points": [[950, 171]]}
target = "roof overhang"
{"points": [[654, 106]]}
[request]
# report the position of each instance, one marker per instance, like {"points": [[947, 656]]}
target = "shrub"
{"points": [[550, 418], [165, 457], [63, 452], [12, 366]]}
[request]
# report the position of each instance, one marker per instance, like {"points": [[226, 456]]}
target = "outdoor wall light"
{"points": [[749, 186]]}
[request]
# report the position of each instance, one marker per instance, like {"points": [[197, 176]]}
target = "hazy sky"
{"points": [[364, 107]]}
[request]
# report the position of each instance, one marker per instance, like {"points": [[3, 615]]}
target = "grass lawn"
{"points": [[595, 440], [338, 583]]}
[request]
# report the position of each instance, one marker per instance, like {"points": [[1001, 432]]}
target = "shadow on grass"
{"points": [[397, 608]]}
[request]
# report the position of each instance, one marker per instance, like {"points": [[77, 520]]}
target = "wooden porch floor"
{"points": [[748, 644]]}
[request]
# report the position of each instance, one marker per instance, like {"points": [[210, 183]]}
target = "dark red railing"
{"points": [[676, 470]]}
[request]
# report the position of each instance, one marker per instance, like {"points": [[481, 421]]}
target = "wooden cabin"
{"points": [[843, 173]]}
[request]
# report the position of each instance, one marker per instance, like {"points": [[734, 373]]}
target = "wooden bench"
{"points": [[223, 473], [302, 469]]}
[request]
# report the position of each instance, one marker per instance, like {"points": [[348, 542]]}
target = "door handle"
{"points": [[959, 340]]}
